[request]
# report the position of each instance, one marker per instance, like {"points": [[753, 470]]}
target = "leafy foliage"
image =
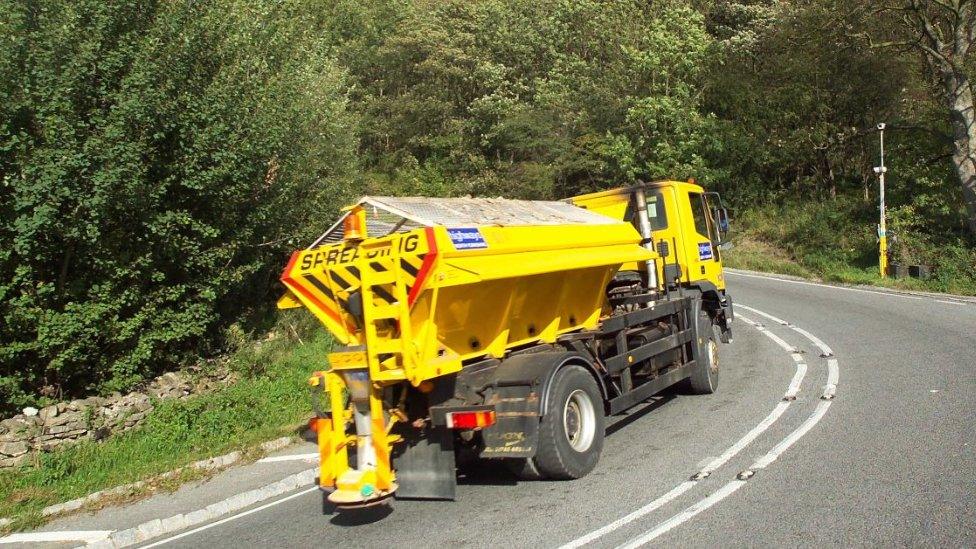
{"points": [[149, 154], [535, 99]]}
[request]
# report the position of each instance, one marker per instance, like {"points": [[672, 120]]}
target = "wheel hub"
{"points": [[579, 420], [713, 356]]}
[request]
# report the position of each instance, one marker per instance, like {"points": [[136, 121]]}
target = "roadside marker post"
{"points": [[882, 230]]}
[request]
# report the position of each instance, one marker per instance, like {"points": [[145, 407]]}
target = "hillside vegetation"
{"points": [[160, 159]]}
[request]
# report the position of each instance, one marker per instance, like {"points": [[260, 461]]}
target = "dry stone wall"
{"points": [[95, 418]]}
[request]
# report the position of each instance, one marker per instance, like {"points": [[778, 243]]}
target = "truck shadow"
{"points": [[489, 472], [355, 517], [637, 412]]}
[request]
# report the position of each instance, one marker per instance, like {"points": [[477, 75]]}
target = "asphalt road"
{"points": [[889, 460]]}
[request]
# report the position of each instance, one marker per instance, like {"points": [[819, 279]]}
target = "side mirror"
{"points": [[721, 216]]}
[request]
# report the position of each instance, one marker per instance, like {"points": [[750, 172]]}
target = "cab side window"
{"points": [[656, 213], [699, 208]]}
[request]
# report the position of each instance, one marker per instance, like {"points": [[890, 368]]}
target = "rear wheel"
{"points": [[704, 380], [571, 433]]}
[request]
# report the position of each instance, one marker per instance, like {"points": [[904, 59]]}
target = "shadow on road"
{"points": [[355, 517], [641, 410], [486, 472]]}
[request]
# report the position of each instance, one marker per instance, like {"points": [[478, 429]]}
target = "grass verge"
{"points": [[271, 400], [831, 242]]}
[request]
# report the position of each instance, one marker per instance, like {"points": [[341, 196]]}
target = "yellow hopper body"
{"points": [[415, 288]]}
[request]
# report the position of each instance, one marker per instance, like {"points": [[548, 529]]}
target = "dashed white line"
{"points": [[86, 536]]}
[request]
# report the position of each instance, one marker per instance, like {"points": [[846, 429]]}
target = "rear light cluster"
{"points": [[470, 420]]}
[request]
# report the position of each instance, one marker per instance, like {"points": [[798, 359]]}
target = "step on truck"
{"points": [[475, 329]]}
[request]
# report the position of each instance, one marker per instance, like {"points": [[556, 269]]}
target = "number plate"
{"points": [[348, 359]]}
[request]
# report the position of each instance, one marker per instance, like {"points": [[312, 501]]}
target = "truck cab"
{"points": [[688, 227], [688, 220]]}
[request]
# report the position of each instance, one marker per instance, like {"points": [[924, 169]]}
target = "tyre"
{"points": [[704, 379], [571, 433]]}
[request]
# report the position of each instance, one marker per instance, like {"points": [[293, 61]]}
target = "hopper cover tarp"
{"points": [[474, 212]]}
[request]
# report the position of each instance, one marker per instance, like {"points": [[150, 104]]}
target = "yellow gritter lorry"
{"points": [[473, 328]]}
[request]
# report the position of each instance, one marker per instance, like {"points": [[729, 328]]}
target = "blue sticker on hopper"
{"points": [[704, 250], [467, 238]]}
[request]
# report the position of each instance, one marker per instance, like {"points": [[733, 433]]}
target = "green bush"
{"points": [[835, 240], [269, 402], [157, 161]]}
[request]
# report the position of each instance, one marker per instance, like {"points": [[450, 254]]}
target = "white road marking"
{"points": [[816, 340], [785, 444], [745, 440], [833, 371], [722, 493], [833, 375], [292, 457], [779, 341], [87, 536], [230, 518], [801, 370], [716, 463], [650, 507], [845, 288]]}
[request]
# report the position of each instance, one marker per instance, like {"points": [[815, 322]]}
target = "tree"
{"points": [[535, 98], [944, 32], [796, 93], [154, 161]]}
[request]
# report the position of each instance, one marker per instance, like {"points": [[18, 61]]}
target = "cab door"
{"points": [[702, 251]]}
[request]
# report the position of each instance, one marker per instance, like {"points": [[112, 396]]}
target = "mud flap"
{"points": [[725, 334], [425, 469], [515, 433]]}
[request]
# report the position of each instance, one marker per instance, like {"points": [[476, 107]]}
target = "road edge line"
{"points": [[216, 463], [159, 527], [230, 518], [954, 299]]}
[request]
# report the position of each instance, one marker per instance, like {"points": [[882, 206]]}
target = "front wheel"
{"points": [[571, 433], [704, 380]]}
